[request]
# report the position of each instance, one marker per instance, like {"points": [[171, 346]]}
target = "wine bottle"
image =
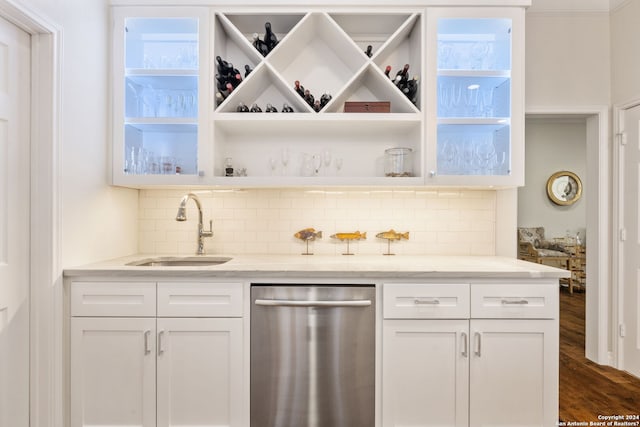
{"points": [[369, 51], [402, 76], [270, 109], [308, 97], [316, 106], [247, 70], [387, 71], [286, 108], [260, 45], [299, 88], [269, 36], [324, 99], [242, 108], [411, 90], [255, 109]]}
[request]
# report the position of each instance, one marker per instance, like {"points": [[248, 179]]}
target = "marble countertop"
{"points": [[324, 266]]}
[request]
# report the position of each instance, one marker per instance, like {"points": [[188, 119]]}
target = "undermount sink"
{"points": [[193, 261]]}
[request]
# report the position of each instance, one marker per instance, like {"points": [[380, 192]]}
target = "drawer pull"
{"points": [[419, 301], [518, 302], [160, 343], [478, 338], [147, 350], [465, 345]]}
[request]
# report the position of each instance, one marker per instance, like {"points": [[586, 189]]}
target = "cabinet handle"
{"points": [[517, 302], [147, 350], [465, 345], [420, 301], [478, 338], [160, 343]]}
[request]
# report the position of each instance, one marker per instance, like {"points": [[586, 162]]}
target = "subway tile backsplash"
{"points": [[258, 221]]}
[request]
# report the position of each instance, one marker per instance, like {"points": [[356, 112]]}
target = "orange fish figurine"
{"points": [[350, 236], [393, 235]]}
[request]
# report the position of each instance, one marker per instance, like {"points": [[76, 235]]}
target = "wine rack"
{"points": [[326, 52], [324, 49]]}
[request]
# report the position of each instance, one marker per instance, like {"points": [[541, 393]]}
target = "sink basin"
{"points": [[193, 261]]}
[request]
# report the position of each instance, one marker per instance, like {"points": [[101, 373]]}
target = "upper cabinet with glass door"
{"points": [[476, 109], [159, 86]]}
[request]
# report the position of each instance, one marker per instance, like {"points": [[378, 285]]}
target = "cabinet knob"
{"points": [[432, 173]]}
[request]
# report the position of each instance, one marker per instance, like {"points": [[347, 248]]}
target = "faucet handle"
{"points": [[209, 232]]}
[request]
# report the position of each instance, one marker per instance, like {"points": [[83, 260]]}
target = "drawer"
{"points": [[189, 299], [117, 299], [514, 301], [425, 301]]}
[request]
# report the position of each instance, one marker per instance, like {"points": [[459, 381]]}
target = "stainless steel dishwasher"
{"points": [[312, 356]]}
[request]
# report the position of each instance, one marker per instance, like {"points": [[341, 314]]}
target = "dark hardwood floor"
{"points": [[586, 388]]}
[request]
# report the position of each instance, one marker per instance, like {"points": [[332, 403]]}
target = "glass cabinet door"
{"points": [[477, 100], [157, 101]]}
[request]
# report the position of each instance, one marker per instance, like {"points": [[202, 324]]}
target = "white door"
{"points": [[630, 250], [113, 372], [15, 53], [513, 373], [200, 372], [425, 373]]}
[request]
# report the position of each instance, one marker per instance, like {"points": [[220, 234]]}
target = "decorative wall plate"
{"points": [[564, 188]]}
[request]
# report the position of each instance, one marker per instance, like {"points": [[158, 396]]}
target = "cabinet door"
{"points": [[160, 97], [200, 372], [113, 369], [514, 372], [476, 96], [425, 373]]}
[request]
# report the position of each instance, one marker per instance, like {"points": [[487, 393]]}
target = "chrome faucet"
{"points": [[182, 216]]}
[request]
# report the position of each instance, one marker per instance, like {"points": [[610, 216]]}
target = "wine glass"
{"points": [[284, 157], [273, 163], [317, 162], [326, 158]]}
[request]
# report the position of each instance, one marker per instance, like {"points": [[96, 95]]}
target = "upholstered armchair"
{"points": [[532, 246]]}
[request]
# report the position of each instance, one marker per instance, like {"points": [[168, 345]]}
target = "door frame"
{"points": [[45, 353], [617, 292], [598, 299]]}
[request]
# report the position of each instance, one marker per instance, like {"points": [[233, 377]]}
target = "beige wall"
{"points": [[625, 45], [553, 145], [567, 59]]}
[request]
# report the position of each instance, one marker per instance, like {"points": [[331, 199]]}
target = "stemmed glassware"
{"points": [[284, 157]]}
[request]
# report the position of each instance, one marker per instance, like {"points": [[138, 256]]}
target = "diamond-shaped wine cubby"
{"points": [[319, 55], [404, 47], [264, 87], [370, 29], [248, 25], [371, 85]]}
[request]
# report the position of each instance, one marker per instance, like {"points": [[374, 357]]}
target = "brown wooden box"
{"points": [[367, 107]]}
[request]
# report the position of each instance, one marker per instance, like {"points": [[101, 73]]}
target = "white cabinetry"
{"points": [[475, 138], [495, 363], [121, 366]]}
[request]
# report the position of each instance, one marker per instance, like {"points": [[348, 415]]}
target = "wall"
{"points": [[553, 145], [98, 221], [265, 220], [567, 58], [625, 44]]}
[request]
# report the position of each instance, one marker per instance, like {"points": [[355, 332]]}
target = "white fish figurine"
{"points": [[393, 235]]}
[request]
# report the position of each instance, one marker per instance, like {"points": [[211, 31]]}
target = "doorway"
{"points": [[596, 180]]}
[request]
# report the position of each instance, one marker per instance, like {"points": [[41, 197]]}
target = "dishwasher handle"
{"points": [[312, 303]]}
